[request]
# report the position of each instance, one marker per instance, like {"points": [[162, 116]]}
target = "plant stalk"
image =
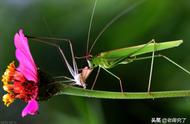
{"points": [[75, 91]]}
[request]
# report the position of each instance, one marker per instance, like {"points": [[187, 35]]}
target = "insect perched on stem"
{"points": [[110, 59]]}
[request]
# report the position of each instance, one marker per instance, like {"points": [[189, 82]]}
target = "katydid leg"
{"points": [[97, 74], [151, 69], [120, 83], [166, 58], [152, 61]]}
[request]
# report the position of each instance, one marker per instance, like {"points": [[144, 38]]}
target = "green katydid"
{"points": [[110, 59]]}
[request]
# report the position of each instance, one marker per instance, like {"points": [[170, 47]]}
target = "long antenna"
{"points": [[90, 26], [47, 26], [127, 10]]}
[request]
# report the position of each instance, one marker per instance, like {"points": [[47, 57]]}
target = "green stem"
{"points": [[70, 90]]}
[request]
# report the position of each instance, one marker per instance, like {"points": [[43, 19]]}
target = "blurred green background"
{"points": [[162, 20]]}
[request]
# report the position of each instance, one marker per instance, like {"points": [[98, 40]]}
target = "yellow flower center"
{"points": [[8, 99], [9, 73], [6, 78], [8, 87]]}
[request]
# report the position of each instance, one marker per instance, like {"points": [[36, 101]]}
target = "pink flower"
{"points": [[22, 82], [31, 108]]}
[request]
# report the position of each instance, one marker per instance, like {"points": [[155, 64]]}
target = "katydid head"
{"points": [[98, 62], [91, 63]]}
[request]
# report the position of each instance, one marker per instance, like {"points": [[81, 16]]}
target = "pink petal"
{"points": [[21, 42], [25, 67], [31, 108], [26, 63]]}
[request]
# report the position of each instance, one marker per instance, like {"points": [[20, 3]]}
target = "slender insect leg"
{"points": [[74, 70], [71, 49], [166, 58], [75, 67], [59, 49], [97, 74], [151, 68], [152, 61], [119, 60], [174, 63], [41, 39], [120, 83], [73, 57]]}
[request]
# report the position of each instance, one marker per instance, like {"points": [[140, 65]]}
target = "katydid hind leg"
{"points": [[120, 60], [174, 63], [151, 67], [166, 58], [170, 61]]}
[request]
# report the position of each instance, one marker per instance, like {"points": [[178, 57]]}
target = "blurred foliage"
{"points": [[162, 20]]}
